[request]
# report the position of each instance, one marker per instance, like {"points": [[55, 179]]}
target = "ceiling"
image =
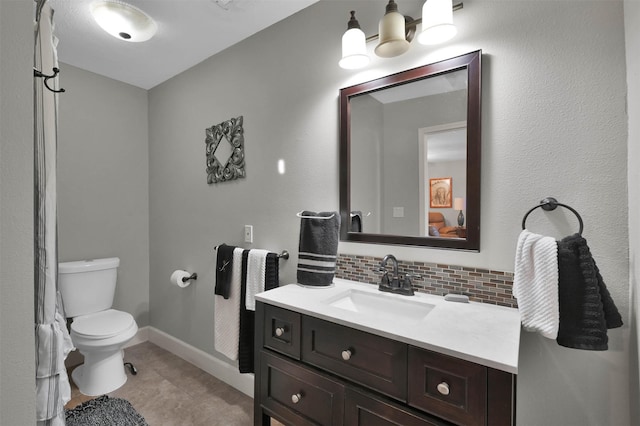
{"points": [[189, 31]]}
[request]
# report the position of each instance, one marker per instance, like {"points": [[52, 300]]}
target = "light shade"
{"points": [[123, 21], [437, 22], [354, 46], [458, 203], [391, 30]]}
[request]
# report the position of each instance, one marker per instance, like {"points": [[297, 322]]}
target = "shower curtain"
{"points": [[53, 343]]}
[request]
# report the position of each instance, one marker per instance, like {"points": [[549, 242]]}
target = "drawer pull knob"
{"points": [[346, 354], [280, 331], [296, 398], [443, 388]]}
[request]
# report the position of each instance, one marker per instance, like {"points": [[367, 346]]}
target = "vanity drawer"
{"points": [[282, 331], [448, 387], [297, 395], [367, 359], [365, 409]]}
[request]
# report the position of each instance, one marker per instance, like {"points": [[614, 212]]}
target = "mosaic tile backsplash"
{"points": [[481, 285]]}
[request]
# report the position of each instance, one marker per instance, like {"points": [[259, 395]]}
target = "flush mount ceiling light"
{"points": [[397, 31], [123, 21]]}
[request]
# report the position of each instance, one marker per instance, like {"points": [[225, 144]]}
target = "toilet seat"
{"points": [[102, 325]]}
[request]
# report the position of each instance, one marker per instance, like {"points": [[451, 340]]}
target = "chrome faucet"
{"points": [[396, 283]]}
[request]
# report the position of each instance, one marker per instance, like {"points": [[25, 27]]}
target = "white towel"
{"points": [[535, 283], [256, 266], [227, 313]]}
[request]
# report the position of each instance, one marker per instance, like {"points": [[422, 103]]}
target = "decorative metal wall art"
{"points": [[232, 165]]}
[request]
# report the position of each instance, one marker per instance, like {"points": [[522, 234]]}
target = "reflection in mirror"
{"points": [[410, 157]]}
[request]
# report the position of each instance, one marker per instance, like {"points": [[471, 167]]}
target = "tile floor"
{"points": [[169, 391]]}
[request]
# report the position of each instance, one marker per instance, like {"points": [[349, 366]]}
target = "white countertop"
{"points": [[478, 332]]}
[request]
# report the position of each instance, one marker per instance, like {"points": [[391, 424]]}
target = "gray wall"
{"points": [[553, 124], [17, 351], [632, 43], [103, 181]]}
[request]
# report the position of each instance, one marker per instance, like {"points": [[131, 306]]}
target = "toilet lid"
{"points": [[102, 325]]}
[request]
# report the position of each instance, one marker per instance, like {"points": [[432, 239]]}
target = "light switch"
{"points": [[398, 212], [248, 233]]}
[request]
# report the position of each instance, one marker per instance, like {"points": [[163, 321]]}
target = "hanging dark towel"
{"points": [[586, 307], [356, 221], [224, 265], [318, 249], [247, 317]]}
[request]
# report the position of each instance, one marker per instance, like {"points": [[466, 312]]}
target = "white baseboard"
{"points": [[141, 336], [226, 372]]}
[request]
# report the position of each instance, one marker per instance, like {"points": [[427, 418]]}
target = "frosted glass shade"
{"points": [[123, 21], [437, 22], [354, 50], [391, 31]]}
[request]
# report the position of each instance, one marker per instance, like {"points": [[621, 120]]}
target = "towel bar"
{"points": [[283, 255]]}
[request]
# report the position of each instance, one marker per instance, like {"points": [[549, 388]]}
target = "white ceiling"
{"points": [[189, 31]]}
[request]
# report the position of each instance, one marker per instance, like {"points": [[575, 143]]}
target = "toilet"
{"points": [[87, 288]]}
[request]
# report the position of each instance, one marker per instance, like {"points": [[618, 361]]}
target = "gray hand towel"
{"points": [[586, 307], [318, 249]]}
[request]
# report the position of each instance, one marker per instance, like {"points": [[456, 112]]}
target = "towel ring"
{"points": [[549, 204]]}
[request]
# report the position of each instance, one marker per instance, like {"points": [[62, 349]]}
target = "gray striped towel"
{"points": [[318, 249]]}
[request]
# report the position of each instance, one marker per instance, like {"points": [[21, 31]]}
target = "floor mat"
{"points": [[104, 411]]}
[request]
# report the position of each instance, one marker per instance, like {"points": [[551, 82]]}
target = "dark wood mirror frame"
{"points": [[472, 63]]}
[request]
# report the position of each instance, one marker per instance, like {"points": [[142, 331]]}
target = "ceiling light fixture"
{"points": [[397, 31], [123, 21]]}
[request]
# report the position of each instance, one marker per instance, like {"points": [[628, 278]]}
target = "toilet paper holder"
{"points": [[193, 276]]}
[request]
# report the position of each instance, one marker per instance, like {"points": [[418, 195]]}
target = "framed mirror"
{"points": [[410, 147]]}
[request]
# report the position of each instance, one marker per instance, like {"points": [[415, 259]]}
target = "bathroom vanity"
{"points": [[351, 355]]}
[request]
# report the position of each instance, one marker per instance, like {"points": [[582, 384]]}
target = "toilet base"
{"points": [[101, 373]]}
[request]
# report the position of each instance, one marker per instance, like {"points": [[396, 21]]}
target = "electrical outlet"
{"points": [[248, 233]]}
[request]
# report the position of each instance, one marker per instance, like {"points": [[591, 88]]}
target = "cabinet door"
{"points": [[297, 395], [448, 387], [282, 331], [373, 361], [364, 409]]}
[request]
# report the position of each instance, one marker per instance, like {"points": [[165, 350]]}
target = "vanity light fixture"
{"points": [[123, 21], [391, 32], [396, 32], [354, 46]]}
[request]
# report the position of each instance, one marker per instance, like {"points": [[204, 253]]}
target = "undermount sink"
{"points": [[381, 305]]}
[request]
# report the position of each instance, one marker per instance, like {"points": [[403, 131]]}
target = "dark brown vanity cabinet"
{"points": [[314, 372]]}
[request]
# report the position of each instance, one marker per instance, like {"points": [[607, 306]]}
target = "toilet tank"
{"points": [[87, 286]]}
